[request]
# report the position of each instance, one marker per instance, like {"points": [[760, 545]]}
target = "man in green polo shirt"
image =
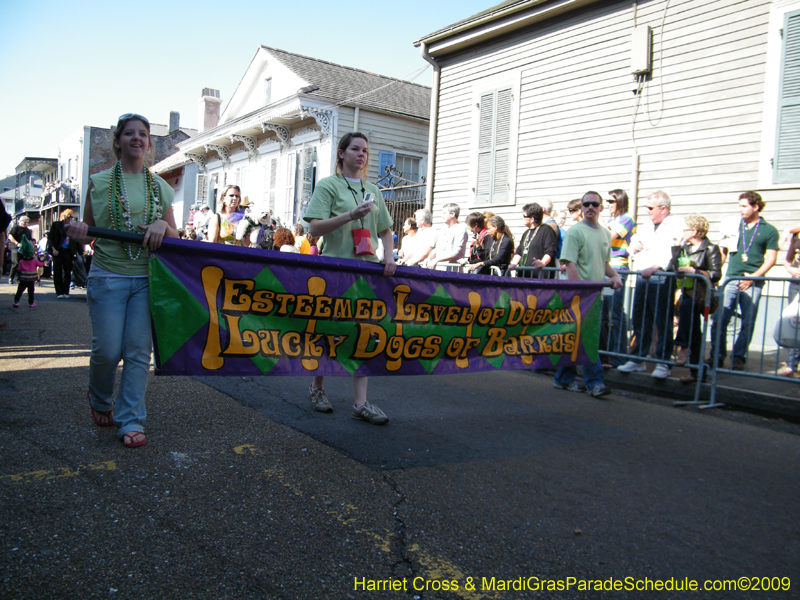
{"points": [[586, 255], [752, 255]]}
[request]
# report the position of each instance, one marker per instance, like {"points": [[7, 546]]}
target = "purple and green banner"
{"points": [[225, 310]]}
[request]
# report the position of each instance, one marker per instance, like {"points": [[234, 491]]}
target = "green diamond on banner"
{"points": [[503, 302], [440, 297], [590, 329], [349, 330], [266, 280], [177, 314], [547, 328]]}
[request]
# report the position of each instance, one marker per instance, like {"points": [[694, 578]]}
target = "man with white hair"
{"points": [[452, 240], [547, 219], [653, 306], [15, 236], [425, 240]]}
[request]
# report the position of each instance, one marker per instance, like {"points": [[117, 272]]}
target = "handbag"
{"points": [[786, 332]]}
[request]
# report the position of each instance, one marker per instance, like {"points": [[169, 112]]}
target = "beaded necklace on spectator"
{"points": [[527, 246], [119, 207], [495, 243], [755, 232]]}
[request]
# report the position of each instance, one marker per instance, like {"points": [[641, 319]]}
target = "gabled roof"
{"points": [[474, 18], [495, 22], [162, 130], [173, 161], [355, 87]]}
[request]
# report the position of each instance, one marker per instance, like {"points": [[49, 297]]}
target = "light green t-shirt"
{"points": [[332, 198], [589, 248], [109, 254]]}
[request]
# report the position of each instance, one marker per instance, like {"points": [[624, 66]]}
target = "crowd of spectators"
{"points": [[665, 311]]}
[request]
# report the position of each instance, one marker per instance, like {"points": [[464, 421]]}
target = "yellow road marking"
{"points": [[58, 473], [434, 566]]}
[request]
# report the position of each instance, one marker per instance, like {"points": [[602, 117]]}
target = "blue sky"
{"points": [[69, 64]]}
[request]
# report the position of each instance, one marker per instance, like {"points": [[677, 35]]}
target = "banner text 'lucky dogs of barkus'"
{"points": [[231, 311]]}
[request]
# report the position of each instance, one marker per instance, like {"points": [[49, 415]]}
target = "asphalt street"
{"points": [[479, 485]]}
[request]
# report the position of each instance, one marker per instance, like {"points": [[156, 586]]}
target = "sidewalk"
{"points": [[780, 397]]}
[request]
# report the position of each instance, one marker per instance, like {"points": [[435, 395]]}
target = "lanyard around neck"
{"points": [[355, 197]]}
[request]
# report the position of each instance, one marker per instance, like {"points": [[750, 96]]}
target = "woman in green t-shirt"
{"points": [[339, 206], [128, 198]]}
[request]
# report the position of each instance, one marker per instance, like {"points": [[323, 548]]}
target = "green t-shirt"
{"points": [[109, 254], [589, 248], [763, 239], [332, 198]]}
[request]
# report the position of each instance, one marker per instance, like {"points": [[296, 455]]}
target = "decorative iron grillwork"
{"points": [[403, 197]]}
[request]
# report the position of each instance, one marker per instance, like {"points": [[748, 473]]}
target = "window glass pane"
{"points": [[408, 166]]}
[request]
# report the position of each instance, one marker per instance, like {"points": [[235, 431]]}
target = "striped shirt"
{"points": [[624, 227]]}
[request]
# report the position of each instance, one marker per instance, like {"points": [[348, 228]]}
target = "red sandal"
{"points": [[134, 439], [101, 419]]}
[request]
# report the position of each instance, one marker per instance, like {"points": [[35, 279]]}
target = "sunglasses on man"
{"points": [[592, 204]]}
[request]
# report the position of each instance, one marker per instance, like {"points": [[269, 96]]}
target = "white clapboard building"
{"points": [[278, 134]]}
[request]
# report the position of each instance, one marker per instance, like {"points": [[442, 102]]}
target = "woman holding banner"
{"points": [[129, 198], [351, 214]]}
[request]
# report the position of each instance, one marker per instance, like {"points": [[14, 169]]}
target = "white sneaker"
{"points": [[661, 372], [632, 367]]}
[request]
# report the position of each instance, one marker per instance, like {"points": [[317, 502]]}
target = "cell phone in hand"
{"points": [[369, 198]]}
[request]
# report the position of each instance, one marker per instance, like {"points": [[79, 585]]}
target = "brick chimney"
{"points": [[174, 121], [208, 109]]}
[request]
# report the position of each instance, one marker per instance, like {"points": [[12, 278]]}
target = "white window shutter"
{"points": [[485, 145], [502, 146], [494, 146], [202, 189], [309, 156], [273, 182]]}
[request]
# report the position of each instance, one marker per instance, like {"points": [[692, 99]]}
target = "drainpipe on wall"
{"points": [[423, 49], [355, 120]]}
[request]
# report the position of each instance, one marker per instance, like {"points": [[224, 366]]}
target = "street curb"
{"points": [[671, 387], [731, 391]]}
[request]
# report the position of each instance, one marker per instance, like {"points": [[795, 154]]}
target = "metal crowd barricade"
{"points": [[701, 368], [459, 268], [659, 325], [453, 267], [736, 318], [556, 270]]}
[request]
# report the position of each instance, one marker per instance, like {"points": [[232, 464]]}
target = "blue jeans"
{"points": [[614, 315], [592, 375], [793, 360], [653, 309], [690, 328], [747, 303], [119, 308]]}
